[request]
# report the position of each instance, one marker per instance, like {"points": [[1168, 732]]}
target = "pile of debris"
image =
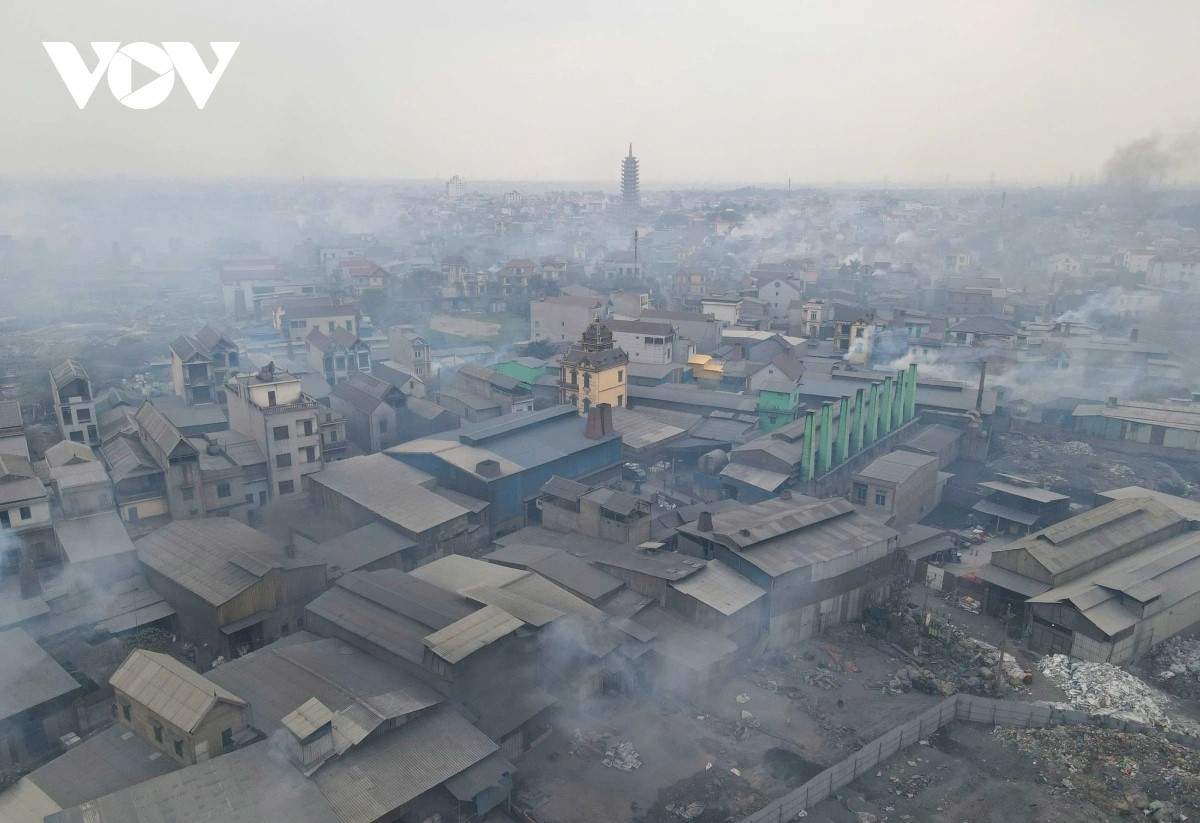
{"points": [[1104, 689], [987, 659], [1145, 775], [918, 679], [623, 758], [1077, 468], [1175, 664]]}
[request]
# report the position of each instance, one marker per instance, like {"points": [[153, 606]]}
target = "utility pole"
{"points": [[999, 672]]}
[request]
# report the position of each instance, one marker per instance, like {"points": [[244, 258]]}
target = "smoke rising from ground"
{"points": [[1151, 161]]}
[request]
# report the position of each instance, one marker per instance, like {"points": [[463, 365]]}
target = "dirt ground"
{"points": [[784, 743], [463, 326]]}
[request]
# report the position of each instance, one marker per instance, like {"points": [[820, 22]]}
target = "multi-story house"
{"points": [[557, 319], [692, 282], [74, 404], [411, 350], [338, 354], [369, 406], [358, 275], [269, 406], [647, 341], [25, 525], [200, 479], [201, 363], [593, 371], [296, 318]]}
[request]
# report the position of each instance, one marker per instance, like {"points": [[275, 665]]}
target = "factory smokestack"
{"points": [[704, 523], [982, 383]]}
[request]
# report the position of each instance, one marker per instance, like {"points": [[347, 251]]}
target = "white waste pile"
{"points": [[1104, 689], [623, 757], [1013, 672]]}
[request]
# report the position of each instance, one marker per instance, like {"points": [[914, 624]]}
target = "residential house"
{"points": [[778, 295], [592, 372], [649, 342], [370, 407], [198, 481], [74, 404], [12, 429], [337, 355], [287, 424], [555, 319], [24, 514], [297, 317], [509, 392], [200, 365], [411, 351], [777, 387], [179, 712], [358, 276], [139, 485], [234, 589], [702, 329]]}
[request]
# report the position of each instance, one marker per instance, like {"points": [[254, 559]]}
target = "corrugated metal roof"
{"points": [[527, 611], [28, 675], [68, 451], [10, 414], [76, 475], [215, 558], [378, 777], [357, 548], [896, 466], [408, 596], [126, 457], [458, 640], [390, 489], [538, 589], [279, 678], [455, 572], [563, 488], [485, 774], [110, 761], [307, 718], [66, 371], [1012, 581], [92, 537], [759, 478], [170, 689], [720, 587], [993, 509], [371, 622], [1187, 507], [252, 783], [1028, 492], [615, 501]]}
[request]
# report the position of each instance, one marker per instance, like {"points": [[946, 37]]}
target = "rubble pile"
{"points": [[1144, 775], [921, 680], [1175, 664], [712, 796], [622, 758], [1071, 466], [1104, 689]]}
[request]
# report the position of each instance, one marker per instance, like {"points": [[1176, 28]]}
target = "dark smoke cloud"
{"points": [[1150, 161]]}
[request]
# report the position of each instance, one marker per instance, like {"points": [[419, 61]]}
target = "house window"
{"points": [[223, 491], [283, 461], [880, 498], [285, 629], [620, 400], [125, 712], [5, 522], [227, 735], [187, 493], [587, 381], [307, 426], [620, 375], [310, 454], [157, 733], [270, 398], [249, 500], [383, 425], [26, 513], [178, 747], [286, 487], [280, 433], [859, 493]]}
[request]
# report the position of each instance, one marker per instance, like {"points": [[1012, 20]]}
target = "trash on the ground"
{"points": [[1104, 689], [623, 758], [688, 812], [1175, 664], [742, 698]]}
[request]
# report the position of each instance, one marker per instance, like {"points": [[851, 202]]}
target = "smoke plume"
{"points": [[1150, 161]]}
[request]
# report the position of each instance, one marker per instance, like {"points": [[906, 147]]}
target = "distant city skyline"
{"points": [[922, 93]]}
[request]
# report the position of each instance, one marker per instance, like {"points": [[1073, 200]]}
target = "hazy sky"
{"points": [[747, 91]]}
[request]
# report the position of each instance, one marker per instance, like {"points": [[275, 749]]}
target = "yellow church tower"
{"points": [[593, 371]]}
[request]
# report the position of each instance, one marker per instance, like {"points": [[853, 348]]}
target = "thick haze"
{"points": [[709, 92]]}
